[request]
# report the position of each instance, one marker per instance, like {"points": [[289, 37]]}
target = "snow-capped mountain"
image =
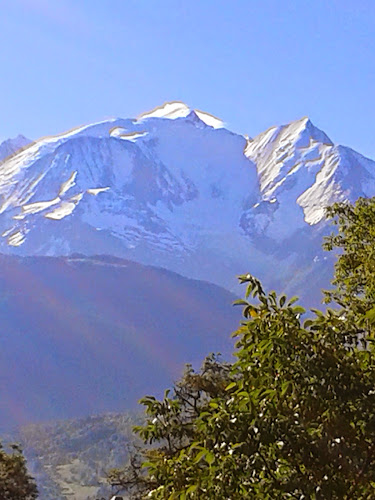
{"points": [[299, 162], [175, 188]]}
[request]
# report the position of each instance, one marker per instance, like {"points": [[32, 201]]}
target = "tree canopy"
{"points": [[354, 277], [294, 415]]}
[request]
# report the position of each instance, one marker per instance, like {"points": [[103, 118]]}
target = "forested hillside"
{"points": [[70, 459]]}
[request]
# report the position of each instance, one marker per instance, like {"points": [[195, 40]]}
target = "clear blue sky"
{"points": [[253, 63]]}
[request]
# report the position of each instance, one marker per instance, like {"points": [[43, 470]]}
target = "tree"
{"points": [[294, 417], [354, 278], [172, 422], [15, 482]]}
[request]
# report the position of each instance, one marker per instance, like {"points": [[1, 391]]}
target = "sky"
{"points": [[253, 63]]}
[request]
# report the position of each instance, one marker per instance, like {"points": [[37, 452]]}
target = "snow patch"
{"points": [[122, 133], [76, 198], [96, 191], [39, 206], [65, 208], [7, 232], [65, 186], [16, 239]]}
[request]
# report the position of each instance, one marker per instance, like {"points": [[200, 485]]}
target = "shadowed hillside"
{"points": [[86, 335]]}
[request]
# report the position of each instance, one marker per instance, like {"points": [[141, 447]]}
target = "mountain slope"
{"points": [[87, 335]]}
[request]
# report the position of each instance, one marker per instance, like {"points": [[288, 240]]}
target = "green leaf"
{"points": [[243, 394], [370, 315], [236, 445], [191, 489], [308, 323], [292, 301], [200, 455], [284, 387], [230, 386], [240, 302], [148, 464], [299, 310], [210, 458]]}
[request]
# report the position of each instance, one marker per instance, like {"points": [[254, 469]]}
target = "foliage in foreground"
{"points": [[15, 482], [294, 417]]}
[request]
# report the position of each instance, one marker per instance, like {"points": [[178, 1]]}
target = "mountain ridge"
{"points": [[171, 189]]}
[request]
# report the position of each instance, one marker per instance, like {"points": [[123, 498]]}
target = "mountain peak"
{"points": [[305, 120], [18, 140], [304, 130], [306, 123], [171, 109], [178, 109], [10, 146]]}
